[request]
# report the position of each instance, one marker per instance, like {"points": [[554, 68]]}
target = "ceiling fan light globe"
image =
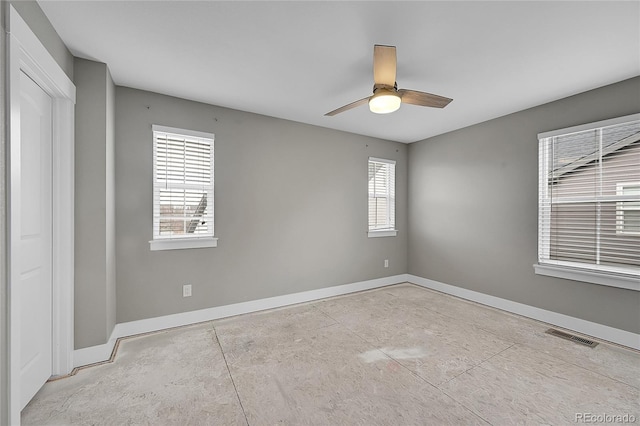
{"points": [[384, 102]]}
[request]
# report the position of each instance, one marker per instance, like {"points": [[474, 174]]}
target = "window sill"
{"points": [[183, 243], [385, 233], [595, 277]]}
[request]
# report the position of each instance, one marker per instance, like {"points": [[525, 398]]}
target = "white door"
{"points": [[35, 238]]}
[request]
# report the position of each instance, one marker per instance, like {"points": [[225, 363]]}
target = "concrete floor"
{"points": [[400, 355]]}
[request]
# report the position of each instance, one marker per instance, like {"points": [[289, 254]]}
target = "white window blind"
{"points": [[589, 197], [382, 195], [182, 184], [628, 212]]}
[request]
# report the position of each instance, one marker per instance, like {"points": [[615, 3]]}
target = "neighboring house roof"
{"points": [[579, 149]]}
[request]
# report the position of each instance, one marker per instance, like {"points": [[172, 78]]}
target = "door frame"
{"points": [[27, 54]]}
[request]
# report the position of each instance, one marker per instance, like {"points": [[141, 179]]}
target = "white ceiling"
{"points": [[299, 60]]}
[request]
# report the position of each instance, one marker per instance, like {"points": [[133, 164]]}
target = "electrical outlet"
{"points": [[386, 263], [186, 290]]}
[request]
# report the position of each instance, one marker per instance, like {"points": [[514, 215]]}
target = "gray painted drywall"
{"points": [[4, 346], [110, 202], [473, 199], [290, 209], [33, 15], [94, 204]]}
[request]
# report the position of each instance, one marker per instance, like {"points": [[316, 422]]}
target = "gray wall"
{"points": [[472, 210], [290, 209], [33, 15], [4, 347], [94, 204], [110, 202]]}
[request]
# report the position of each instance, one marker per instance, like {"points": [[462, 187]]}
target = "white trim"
{"points": [[389, 190], [589, 276], [620, 206], [94, 354], [206, 189], [604, 332], [101, 353], [27, 54], [589, 126], [13, 226], [385, 233], [182, 243], [592, 272]]}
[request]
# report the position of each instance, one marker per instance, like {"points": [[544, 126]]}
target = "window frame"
{"points": [[621, 208], [391, 230], [596, 274], [177, 242]]}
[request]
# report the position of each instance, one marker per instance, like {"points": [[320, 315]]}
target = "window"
{"points": [[628, 209], [182, 189], [589, 203], [382, 198]]}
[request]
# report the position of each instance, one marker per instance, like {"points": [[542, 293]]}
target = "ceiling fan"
{"points": [[386, 97]]}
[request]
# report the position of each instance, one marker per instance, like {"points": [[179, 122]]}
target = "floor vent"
{"points": [[571, 337]]}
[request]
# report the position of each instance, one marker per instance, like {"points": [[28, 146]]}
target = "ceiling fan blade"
{"points": [[348, 107], [423, 99], [384, 65]]}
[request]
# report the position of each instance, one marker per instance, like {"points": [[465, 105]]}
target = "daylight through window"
{"points": [[589, 197], [382, 197], [183, 184]]}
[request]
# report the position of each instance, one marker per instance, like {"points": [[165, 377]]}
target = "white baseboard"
{"points": [[589, 328], [94, 354], [99, 353]]}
